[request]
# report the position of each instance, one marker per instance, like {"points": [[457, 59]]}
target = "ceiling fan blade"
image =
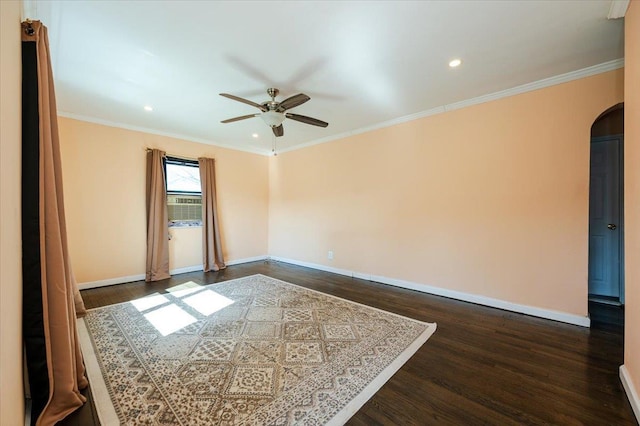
{"points": [[307, 120], [244, 117], [278, 131], [245, 101], [293, 102]]}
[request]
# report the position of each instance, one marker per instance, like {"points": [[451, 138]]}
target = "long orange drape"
{"points": [[60, 297], [157, 218], [211, 241]]}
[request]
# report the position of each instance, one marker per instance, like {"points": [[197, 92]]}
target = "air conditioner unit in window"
{"points": [[184, 208]]}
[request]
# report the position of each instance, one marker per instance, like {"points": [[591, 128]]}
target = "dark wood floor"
{"points": [[482, 366]]}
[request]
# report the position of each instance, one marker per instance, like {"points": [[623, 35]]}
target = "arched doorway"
{"points": [[606, 221]]}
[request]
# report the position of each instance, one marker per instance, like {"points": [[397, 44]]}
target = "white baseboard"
{"points": [[632, 393], [196, 268], [246, 260], [185, 270], [313, 266], [110, 281], [453, 294], [139, 277]]}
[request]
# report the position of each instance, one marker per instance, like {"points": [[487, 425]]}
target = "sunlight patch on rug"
{"points": [[249, 351]]}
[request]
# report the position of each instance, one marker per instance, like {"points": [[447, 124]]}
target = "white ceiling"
{"points": [[362, 62]]}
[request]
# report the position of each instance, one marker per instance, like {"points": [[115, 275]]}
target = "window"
{"points": [[183, 176], [184, 194]]}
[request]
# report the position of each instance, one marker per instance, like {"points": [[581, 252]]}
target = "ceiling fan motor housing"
{"points": [[271, 105]]}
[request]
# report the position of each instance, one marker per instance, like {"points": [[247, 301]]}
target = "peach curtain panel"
{"points": [[48, 259], [157, 218], [211, 242]]}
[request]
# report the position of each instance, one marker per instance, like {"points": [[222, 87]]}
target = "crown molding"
{"points": [[618, 9], [540, 84], [382, 125], [158, 132], [524, 88]]}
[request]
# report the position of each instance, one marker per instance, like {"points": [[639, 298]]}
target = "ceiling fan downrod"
{"points": [[273, 92]]}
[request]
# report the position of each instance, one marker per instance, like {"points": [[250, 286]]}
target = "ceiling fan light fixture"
{"points": [[272, 118]]}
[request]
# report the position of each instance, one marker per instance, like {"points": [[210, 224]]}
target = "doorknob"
{"points": [[612, 226]]}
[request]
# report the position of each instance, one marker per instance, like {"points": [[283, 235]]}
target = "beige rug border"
{"points": [[107, 413], [101, 398], [367, 393]]}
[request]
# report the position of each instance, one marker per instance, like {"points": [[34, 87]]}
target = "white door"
{"points": [[605, 225]]}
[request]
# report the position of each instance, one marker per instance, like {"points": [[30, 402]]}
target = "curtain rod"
{"points": [[181, 157]]}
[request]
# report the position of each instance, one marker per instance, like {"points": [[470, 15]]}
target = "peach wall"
{"points": [[104, 183], [632, 197], [185, 247], [11, 387], [490, 200]]}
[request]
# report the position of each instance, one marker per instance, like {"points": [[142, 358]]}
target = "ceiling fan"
{"points": [[273, 112]]}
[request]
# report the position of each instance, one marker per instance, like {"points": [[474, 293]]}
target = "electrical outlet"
{"points": [[330, 255]]}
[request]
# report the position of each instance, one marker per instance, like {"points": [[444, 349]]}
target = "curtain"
{"points": [[51, 299], [211, 245], [157, 218]]}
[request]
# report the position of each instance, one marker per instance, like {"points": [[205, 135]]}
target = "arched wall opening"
{"points": [[606, 207]]}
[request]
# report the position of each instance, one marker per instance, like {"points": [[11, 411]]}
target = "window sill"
{"points": [[185, 224]]}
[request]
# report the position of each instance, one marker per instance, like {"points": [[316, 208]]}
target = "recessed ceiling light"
{"points": [[255, 135], [148, 108], [455, 63]]}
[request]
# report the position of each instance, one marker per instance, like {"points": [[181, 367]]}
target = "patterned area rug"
{"points": [[251, 351]]}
